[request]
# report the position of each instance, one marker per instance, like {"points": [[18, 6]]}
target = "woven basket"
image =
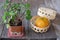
{"points": [[43, 12], [46, 12], [37, 29]]}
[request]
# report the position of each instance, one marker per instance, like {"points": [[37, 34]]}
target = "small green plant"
{"points": [[12, 11]]}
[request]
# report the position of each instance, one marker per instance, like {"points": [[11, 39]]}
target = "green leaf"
{"points": [[11, 13], [27, 5], [28, 12], [4, 19], [28, 17], [6, 14], [15, 6], [5, 5], [13, 18], [7, 1], [21, 5]]}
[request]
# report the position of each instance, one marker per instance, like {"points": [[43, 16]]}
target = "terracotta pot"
{"points": [[16, 31]]}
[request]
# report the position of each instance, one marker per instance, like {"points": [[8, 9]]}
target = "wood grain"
{"points": [[35, 4]]}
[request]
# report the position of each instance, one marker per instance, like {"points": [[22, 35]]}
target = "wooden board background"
{"points": [[34, 7]]}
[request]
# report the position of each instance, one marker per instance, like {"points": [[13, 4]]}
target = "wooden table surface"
{"points": [[30, 34], [35, 4]]}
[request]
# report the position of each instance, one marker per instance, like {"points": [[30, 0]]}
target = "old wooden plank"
{"points": [[34, 7], [1, 13], [50, 34]]}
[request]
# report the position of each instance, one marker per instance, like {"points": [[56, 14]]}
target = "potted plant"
{"points": [[13, 16]]}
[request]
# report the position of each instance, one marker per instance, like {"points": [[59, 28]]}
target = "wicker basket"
{"points": [[46, 12], [43, 12], [37, 29]]}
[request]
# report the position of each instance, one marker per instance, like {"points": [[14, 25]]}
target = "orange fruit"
{"points": [[41, 22]]}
